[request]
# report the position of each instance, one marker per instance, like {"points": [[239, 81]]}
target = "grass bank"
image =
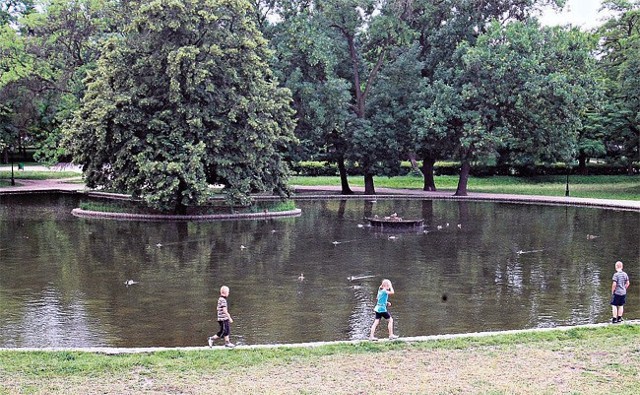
{"points": [[597, 187], [5, 175], [602, 360]]}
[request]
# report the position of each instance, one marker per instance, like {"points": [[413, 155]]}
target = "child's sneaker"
{"points": [[373, 338], [614, 320], [210, 341], [620, 319], [229, 345], [393, 337]]}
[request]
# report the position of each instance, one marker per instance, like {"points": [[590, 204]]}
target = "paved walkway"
{"points": [[331, 192]]}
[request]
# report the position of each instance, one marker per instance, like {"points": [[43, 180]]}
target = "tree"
{"points": [[46, 54], [307, 63], [620, 62], [520, 87], [183, 100], [441, 27], [370, 30]]}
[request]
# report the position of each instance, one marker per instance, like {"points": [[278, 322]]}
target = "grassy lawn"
{"points": [[37, 175], [603, 360], [599, 187]]}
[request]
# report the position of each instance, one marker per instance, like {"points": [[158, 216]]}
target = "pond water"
{"points": [[490, 266]]}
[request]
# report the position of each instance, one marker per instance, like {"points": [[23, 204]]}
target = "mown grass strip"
{"points": [[73, 363], [597, 187]]}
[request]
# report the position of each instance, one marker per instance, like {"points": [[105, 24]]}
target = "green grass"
{"points": [[584, 354], [36, 175], [70, 363], [599, 187], [133, 207]]}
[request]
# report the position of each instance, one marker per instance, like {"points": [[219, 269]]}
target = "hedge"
{"points": [[317, 168]]}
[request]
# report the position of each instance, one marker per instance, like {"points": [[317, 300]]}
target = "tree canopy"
{"points": [[162, 99], [184, 99]]}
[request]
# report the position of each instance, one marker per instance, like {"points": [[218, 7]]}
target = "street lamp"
{"points": [[11, 150], [566, 191]]}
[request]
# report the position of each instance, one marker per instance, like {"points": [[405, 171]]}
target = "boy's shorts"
{"points": [[618, 300], [384, 315]]}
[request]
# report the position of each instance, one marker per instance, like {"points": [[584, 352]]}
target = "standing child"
{"points": [[384, 291], [618, 293], [224, 319]]}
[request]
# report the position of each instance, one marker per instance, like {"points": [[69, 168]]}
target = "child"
{"points": [[618, 293], [224, 319], [384, 291]]}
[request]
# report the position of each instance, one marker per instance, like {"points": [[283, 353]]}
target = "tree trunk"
{"points": [[427, 172], [344, 182], [180, 209], [582, 164], [368, 184], [464, 178], [630, 168]]}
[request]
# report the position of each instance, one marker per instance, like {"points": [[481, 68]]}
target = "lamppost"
{"points": [[11, 150], [566, 191]]}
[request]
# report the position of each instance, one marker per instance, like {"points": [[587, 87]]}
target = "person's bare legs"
{"points": [[373, 328]]}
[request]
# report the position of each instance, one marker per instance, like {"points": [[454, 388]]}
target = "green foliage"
{"points": [[620, 62], [183, 100], [518, 92], [307, 64], [46, 52]]}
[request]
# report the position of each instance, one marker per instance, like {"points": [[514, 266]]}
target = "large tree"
{"points": [[620, 62], [183, 100], [441, 27], [520, 87], [46, 52], [307, 63]]}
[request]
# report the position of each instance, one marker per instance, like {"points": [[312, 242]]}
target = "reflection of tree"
{"points": [[427, 212], [368, 209]]}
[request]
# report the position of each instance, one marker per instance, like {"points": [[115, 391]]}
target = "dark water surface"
{"points": [[506, 266]]}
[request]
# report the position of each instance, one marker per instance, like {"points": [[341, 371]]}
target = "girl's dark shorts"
{"points": [[618, 300], [384, 315]]}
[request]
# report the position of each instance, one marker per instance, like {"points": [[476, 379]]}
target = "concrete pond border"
{"points": [[413, 339]]}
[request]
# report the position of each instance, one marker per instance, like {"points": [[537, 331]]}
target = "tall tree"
{"points": [[441, 27], [183, 100], [307, 63], [620, 62], [370, 30], [46, 54], [521, 87]]}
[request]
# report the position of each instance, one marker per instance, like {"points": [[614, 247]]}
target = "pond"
{"points": [[476, 267]]}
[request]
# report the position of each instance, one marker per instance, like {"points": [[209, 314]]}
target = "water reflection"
{"points": [[476, 266]]}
